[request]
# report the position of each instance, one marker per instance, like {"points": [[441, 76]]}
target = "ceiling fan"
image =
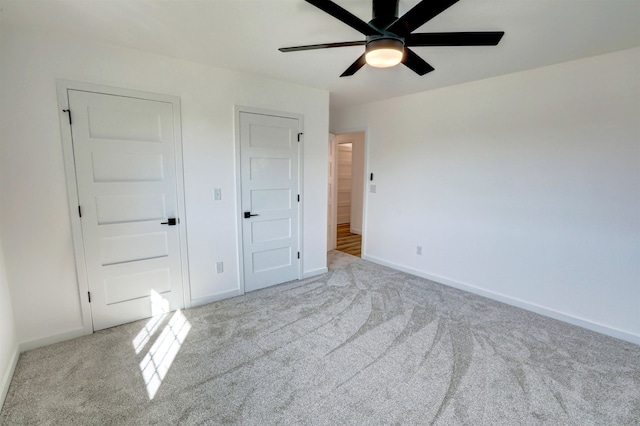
{"points": [[389, 37]]}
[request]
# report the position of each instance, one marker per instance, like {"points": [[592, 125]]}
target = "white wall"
{"points": [[8, 341], [524, 187], [35, 217]]}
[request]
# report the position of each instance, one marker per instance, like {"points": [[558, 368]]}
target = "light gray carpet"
{"points": [[362, 344]]}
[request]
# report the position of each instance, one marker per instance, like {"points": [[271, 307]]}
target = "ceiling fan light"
{"points": [[384, 53], [384, 58]]}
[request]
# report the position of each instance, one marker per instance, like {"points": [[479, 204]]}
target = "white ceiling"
{"points": [[244, 35]]}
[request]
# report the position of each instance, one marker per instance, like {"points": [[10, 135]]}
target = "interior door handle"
{"points": [[247, 215], [171, 222]]}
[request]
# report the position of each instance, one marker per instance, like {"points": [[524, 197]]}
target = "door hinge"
{"points": [[68, 111], [298, 255], [299, 135], [89, 293], [79, 211]]}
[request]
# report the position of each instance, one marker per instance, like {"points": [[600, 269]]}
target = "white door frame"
{"points": [[72, 185], [332, 238], [367, 182], [240, 109]]}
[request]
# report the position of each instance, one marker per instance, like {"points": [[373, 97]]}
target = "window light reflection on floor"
{"points": [[159, 308], [150, 328], [158, 360]]}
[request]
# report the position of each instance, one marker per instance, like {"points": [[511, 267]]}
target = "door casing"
{"points": [[240, 109], [72, 185], [332, 193]]}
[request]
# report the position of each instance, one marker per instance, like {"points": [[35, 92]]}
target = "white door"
{"points": [[124, 152], [331, 196], [269, 167]]}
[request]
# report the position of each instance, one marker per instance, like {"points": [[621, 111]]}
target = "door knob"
{"points": [[171, 222], [247, 215]]}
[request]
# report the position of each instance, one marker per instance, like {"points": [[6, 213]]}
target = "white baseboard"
{"points": [[356, 231], [215, 298], [314, 272], [551, 313], [44, 341], [8, 375]]}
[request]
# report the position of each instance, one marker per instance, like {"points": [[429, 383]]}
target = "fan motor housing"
{"points": [[384, 42]]}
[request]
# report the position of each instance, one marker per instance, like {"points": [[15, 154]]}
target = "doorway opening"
{"points": [[346, 192]]}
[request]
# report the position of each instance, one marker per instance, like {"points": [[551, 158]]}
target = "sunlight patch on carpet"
{"points": [[157, 362], [150, 328]]}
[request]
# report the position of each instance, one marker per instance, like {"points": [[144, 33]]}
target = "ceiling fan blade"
{"points": [[487, 38], [359, 63], [415, 62], [421, 13], [345, 16], [322, 46]]}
